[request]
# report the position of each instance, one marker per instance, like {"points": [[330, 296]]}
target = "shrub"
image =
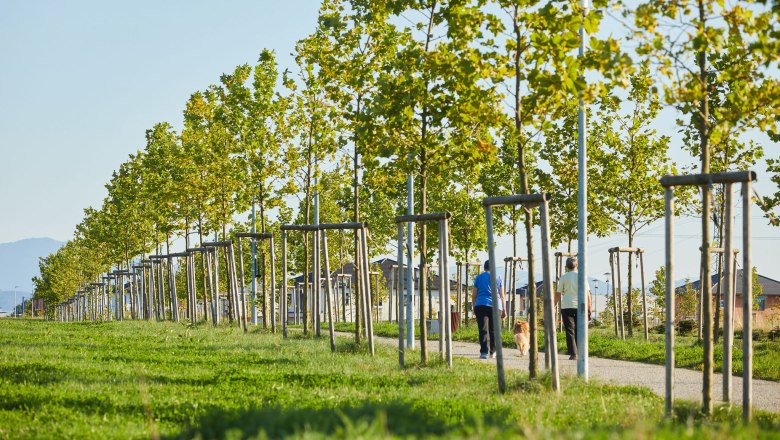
{"points": [[686, 327], [758, 334]]}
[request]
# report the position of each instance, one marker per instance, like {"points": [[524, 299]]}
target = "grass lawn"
{"points": [[603, 343], [141, 380]]}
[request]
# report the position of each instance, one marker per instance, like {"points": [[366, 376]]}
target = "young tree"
{"points": [[196, 155], [536, 66], [657, 291], [769, 203], [686, 301], [227, 139], [198, 121], [126, 223], [350, 44], [432, 103], [315, 143], [60, 276], [633, 158], [558, 177], [160, 171], [683, 37], [265, 132], [758, 288]]}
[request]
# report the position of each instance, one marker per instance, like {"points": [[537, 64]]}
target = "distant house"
{"points": [[766, 311], [695, 286], [343, 279], [522, 292]]}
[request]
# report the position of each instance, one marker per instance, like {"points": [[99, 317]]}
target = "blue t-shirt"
{"points": [[484, 294]]}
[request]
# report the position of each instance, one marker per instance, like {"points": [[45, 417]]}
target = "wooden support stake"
{"points": [[747, 307], [728, 310]]}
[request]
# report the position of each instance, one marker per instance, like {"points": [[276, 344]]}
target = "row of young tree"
{"points": [[471, 98]]}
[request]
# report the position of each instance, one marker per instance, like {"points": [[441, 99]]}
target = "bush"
{"points": [[686, 327], [658, 329], [758, 334]]}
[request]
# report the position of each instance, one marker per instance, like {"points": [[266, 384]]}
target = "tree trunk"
{"points": [[423, 257], [630, 293], [533, 356], [719, 224], [507, 284], [190, 293], [263, 287], [358, 291], [424, 198], [705, 218], [307, 217]]}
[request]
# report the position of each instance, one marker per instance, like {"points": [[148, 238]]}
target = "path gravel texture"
{"points": [[688, 383]]}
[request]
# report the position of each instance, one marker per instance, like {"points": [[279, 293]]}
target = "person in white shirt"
{"points": [[566, 295]]}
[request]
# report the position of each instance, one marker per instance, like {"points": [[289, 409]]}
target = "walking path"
{"points": [[687, 383]]}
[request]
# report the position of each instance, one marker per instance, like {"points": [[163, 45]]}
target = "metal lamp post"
{"points": [[608, 292], [582, 218]]}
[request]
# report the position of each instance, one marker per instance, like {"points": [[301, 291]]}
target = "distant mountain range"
{"points": [[18, 264]]}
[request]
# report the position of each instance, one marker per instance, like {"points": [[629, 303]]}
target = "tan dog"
{"points": [[522, 335]]}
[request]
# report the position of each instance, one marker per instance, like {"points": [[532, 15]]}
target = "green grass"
{"points": [[688, 352], [141, 380], [602, 343]]}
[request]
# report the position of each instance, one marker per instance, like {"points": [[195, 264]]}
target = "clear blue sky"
{"points": [[81, 81]]}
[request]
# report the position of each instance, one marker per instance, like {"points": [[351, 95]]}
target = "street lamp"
{"points": [[606, 280], [15, 314]]}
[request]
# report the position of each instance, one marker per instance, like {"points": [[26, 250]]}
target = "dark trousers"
{"points": [[569, 317], [487, 339]]}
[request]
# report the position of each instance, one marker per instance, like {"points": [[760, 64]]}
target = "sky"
{"points": [[81, 81]]}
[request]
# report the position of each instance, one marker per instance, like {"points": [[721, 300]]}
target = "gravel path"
{"points": [[766, 394]]}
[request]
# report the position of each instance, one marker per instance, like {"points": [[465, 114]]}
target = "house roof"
{"points": [[695, 285], [771, 287], [522, 290]]}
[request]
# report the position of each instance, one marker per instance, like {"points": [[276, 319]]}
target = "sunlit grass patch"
{"points": [[140, 379]]}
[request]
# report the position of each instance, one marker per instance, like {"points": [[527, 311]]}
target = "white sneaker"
{"points": [[491, 355]]}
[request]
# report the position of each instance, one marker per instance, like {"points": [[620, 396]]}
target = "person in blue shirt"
{"points": [[482, 298]]}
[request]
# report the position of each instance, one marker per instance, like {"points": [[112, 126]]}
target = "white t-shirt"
{"points": [[567, 287]]}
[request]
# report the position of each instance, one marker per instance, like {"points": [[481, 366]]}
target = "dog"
{"points": [[522, 335]]}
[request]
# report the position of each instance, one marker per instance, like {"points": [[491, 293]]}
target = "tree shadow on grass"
{"points": [[346, 346], [85, 404], [33, 373], [364, 419]]}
